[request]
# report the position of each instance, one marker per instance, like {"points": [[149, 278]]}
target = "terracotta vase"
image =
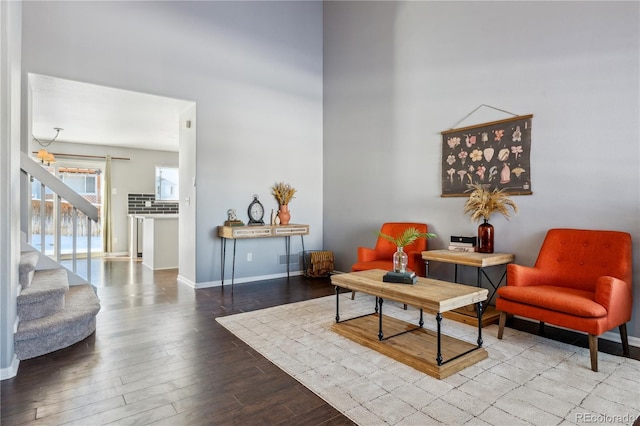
{"points": [[485, 237], [284, 215]]}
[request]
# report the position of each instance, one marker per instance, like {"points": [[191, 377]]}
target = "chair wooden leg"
{"points": [[353, 295], [624, 339], [593, 351], [501, 324]]}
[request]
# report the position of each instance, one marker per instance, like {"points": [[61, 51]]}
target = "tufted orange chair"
{"points": [[581, 280], [381, 256]]}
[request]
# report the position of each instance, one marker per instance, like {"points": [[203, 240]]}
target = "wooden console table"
{"points": [[480, 261], [258, 231]]}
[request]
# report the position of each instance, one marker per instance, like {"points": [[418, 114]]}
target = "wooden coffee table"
{"points": [[431, 352]]}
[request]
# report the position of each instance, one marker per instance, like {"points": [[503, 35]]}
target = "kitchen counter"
{"points": [[159, 240]]}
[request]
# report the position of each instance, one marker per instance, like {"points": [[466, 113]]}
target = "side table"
{"points": [[480, 261]]}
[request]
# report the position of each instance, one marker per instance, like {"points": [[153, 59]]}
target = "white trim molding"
{"points": [[10, 371], [227, 282]]}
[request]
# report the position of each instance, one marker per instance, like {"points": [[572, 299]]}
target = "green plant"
{"points": [[482, 203], [283, 192], [407, 237]]}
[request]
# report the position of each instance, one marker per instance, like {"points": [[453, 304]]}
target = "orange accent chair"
{"points": [[381, 256], [582, 280]]}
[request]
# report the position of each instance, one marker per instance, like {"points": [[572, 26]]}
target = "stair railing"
{"points": [[60, 191]]}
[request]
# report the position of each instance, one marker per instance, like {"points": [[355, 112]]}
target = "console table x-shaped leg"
{"points": [[480, 261]]}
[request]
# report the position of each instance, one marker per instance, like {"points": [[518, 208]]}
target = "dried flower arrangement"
{"points": [[483, 202], [283, 193], [407, 237]]}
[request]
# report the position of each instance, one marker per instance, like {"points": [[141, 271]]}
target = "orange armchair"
{"points": [[582, 280], [380, 257]]}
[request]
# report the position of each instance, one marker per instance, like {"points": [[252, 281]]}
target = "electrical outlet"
{"points": [[249, 257]]}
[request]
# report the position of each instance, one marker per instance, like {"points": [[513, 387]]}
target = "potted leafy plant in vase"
{"points": [[400, 258], [482, 203], [283, 193]]}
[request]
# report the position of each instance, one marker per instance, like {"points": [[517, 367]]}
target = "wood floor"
{"points": [[159, 356]]}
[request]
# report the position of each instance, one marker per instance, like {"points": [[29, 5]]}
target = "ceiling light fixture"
{"points": [[46, 144], [43, 155]]}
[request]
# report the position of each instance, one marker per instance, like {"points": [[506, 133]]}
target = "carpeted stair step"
{"points": [[45, 296], [72, 324], [28, 262]]}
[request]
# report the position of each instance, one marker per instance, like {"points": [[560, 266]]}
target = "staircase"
{"points": [[52, 314]]}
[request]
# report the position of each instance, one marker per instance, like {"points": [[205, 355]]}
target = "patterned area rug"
{"points": [[526, 380]]}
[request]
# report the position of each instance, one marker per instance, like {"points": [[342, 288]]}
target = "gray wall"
{"points": [[397, 74], [254, 69]]}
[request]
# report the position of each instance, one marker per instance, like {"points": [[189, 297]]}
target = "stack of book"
{"points": [[400, 277], [460, 243]]}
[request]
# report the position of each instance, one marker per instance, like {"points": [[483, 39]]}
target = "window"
{"points": [[81, 183], [166, 183]]}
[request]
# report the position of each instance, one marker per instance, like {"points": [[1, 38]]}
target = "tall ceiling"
{"points": [[92, 114]]}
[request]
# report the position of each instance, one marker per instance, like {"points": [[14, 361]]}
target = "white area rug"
{"points": [[526, 380]]}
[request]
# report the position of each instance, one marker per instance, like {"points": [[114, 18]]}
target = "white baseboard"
{"points": [[227, 282], [186, 281], [10, 371], [116, 254]]}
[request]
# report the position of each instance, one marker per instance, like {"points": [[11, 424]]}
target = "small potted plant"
{"points": [[283, 193], [400, 258], [482, 203]]}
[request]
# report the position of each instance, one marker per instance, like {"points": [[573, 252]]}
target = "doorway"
{"points": [[99, 120]]}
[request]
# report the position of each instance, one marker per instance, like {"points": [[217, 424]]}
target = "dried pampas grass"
{"points": [[482, 203]]}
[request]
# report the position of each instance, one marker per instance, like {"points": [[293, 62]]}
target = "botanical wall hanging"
{"points": [[494, 154]]}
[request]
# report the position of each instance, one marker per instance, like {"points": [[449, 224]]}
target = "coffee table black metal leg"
{"points": [[337, 304], [479, 311], [439, 353], [376, 305], [421, 322], [380, 335]]}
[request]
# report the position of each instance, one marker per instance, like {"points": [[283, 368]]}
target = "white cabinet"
{"points": [[159, 241]]}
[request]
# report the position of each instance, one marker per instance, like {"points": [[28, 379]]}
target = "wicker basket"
{"points": [[317, 263]]}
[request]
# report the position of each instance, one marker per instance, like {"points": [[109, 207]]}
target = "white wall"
{"points": [[187, 226], [254, 69], [397, 74], [135, 176], [10, 44]]}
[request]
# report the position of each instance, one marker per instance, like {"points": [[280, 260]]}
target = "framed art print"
{"points": [[495, 154]]}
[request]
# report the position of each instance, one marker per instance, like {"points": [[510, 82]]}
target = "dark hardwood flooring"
{"points": [[158, 356]]}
